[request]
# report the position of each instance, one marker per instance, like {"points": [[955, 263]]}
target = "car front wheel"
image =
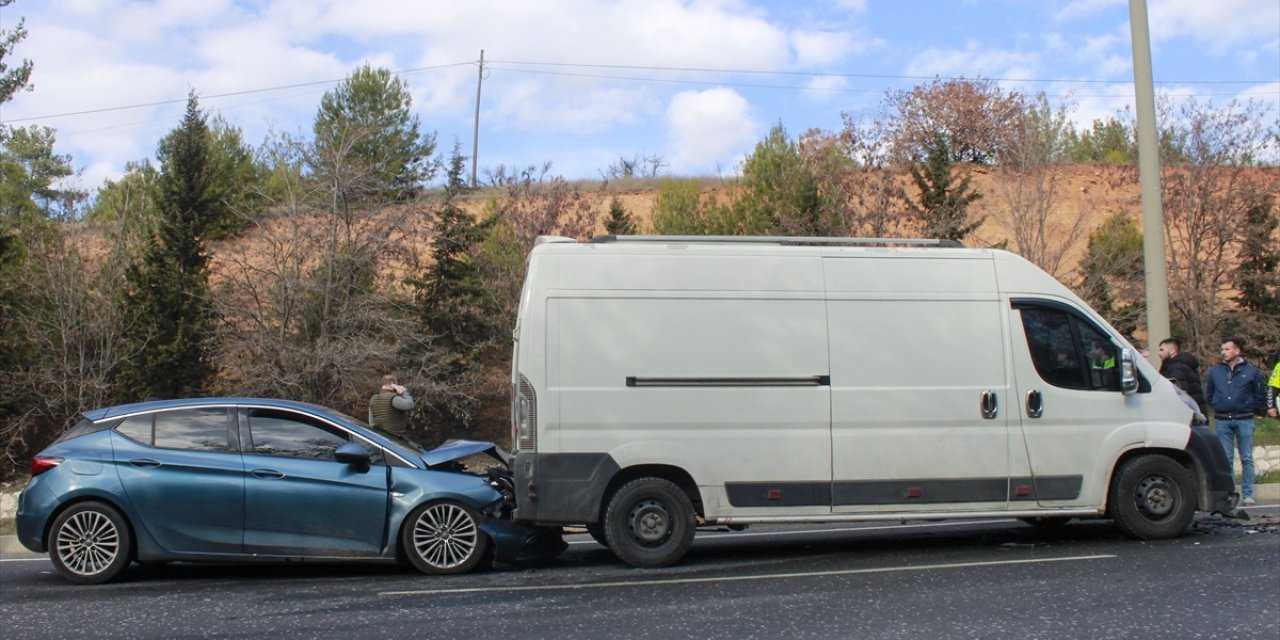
{"points": [[444, 538], [90, 543]]}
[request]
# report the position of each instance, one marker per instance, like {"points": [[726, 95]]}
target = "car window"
{"points": [[192, 429], [1069, 352], [137, 428], [283, 433]]}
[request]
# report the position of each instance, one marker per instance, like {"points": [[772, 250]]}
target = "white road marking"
{"points": [[45, 558], [721, 579], [708, 535]]}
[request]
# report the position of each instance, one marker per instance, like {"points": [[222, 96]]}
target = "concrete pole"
{"points": [[475, 130], [1157, 275]]}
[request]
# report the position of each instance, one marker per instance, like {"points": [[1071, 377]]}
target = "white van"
{"points": [[666, 383]]}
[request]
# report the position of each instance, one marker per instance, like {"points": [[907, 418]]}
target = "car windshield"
{"points": [[402, 441]]}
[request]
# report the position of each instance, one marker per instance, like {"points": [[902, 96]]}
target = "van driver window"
{"points": [[1069, 352]]}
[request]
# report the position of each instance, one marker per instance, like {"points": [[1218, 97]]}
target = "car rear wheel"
{"points": [[444, 538], [1152, 497], [90, 543], [649, 523]]}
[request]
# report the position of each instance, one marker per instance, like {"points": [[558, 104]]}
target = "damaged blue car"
{"points": [[235, 479]]}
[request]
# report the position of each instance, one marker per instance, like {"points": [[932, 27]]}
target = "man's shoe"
{"points": [[1248, 502]]}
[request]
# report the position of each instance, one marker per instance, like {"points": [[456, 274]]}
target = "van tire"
{"points": [[649, 523], [1152, 497]]}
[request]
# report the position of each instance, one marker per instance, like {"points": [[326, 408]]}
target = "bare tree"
{"points": [[309, 299], [1027, 184], [874, 204], [73, 334], [975, 117], [1211, 180]]}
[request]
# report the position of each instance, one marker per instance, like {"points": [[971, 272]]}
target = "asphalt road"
{"points": [[983, 579]]}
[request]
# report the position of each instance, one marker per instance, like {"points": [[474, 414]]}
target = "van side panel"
{"points": [[726, 388], [915, 345]]}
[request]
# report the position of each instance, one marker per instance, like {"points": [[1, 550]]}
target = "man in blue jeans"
{"points": [[1234, 388]]}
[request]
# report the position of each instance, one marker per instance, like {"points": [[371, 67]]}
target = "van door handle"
{"points": [[1035, 404], [990, 405]]}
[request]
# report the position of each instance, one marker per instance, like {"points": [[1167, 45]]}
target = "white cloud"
{"points": [[973, 61], [708, 128], [816, 48], [1218, 24], [825, 88], [1085, 8]]}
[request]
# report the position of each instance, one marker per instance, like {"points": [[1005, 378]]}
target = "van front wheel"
{"points": [[649, 523], [1152, 497]]}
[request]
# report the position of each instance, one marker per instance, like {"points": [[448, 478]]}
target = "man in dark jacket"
{"points": [[1234, 388], [1183, 369]]}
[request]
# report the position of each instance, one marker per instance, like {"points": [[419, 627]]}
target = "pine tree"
{"points": [[943, 206], [168, 288], [620, 222], [1258, 281], [452, 300]]}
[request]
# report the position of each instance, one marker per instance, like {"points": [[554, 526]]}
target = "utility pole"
{"points": [[1153, 260], [475, 130]]}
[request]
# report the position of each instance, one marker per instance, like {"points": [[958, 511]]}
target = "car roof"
{"points": [[105, 413]]}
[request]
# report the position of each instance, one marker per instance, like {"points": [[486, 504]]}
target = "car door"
{"points": [[299, 500], [182, 472], [1069, 401]]}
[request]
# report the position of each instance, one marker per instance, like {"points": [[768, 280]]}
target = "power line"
{"points": [[229, 94], [745, 85], [759, 72], [868, 76]]}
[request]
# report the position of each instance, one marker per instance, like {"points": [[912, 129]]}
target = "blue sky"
{"points": [[581, 83]]}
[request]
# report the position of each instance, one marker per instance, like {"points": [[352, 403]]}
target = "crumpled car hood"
{"points": [[453, 450]]}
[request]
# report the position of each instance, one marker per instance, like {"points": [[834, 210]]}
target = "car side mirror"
{"points": [[1128, 373], [354, 455]]}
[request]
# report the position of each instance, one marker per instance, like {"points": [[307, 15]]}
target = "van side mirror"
{"points": [[354, 455], [1128, 373]]}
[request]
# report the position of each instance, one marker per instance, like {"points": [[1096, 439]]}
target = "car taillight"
{"points": [[524, 418], [41, 464]]}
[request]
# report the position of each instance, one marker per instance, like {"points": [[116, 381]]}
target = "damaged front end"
{"points": [[512, 542]]}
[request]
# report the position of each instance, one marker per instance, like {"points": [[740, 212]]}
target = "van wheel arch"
{"points": [[675, 475], [1188, 462]]}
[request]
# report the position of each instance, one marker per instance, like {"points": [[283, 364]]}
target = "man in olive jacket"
{"points": [[1234, 388], [389, 408]]}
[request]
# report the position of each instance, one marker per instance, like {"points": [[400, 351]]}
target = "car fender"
{"points": [[413, 487]]}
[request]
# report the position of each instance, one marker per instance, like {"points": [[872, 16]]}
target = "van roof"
{"points": [[779, 240]]}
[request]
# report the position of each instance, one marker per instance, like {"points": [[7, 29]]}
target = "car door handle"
{"points": [[1035, 403], [267, 474], [990, 405], [145, 463]]}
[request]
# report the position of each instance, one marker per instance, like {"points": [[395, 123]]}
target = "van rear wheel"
{"points": [[649, 523], [1152, 496]]}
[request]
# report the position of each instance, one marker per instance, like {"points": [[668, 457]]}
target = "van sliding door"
{"points": [[919, 393]]}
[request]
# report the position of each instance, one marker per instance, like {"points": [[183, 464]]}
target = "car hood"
{"points": [[453, 450]]}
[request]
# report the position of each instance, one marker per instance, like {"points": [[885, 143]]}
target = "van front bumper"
{"points": [[1217, 487]]}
